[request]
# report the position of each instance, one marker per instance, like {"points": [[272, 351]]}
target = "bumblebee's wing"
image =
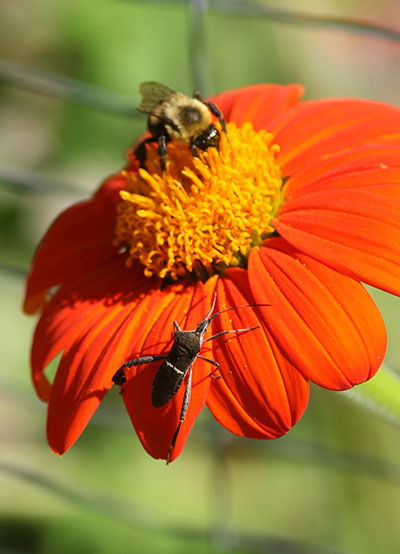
{"points": [[153, 94]]}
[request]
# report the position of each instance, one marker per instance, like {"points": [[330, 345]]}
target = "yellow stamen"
{"points": [[204, 214]]}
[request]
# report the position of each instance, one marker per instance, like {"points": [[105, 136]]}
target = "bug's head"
{"points": [[205, 323], [202, 327]]}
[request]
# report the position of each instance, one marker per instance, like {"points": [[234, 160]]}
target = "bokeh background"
{"points": [[332, 484]]}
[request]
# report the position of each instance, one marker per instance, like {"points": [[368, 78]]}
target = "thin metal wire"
{"points": [[141, 517], [51, 84], [292, 17], [24, 181], [333, 458], [13, 271], [253, 9], [292, 449], [199, 56]]}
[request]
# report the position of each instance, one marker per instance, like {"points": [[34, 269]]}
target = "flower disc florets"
{"points": [[202, 214]]}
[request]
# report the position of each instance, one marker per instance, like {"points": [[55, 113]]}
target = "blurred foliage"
{"points": [[331, 485]]}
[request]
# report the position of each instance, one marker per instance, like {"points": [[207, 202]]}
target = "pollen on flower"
{"points": [[203, 214]]}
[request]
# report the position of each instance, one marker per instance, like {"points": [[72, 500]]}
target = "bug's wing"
{"points": [[172, 372], [166, 383], [153, 94]]}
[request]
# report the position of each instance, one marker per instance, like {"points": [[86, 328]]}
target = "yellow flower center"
{"points": [[203, 214]]}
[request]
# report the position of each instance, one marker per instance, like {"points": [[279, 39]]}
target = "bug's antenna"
{"points": [[212, 307], [235, 308]]}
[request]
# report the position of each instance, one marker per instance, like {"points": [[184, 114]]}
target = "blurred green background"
{"points": [[332, 484]]}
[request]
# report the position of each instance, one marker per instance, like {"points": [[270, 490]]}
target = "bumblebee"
{"points": [[175, 116]]}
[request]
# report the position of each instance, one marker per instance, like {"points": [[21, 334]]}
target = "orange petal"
{"points": [[260, 104], [362, 166], [110, 187], [78, 241], [314, 131], [355, 231], [96, 332], [260, 393], [155, 427], [71, 312], [324, 322]]}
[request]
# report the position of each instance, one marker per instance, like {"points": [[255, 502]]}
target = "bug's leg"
{"points": [[231, 331], [176, 324], [162, 151], [140, 150], [119, 377], [213, 362], [184, 409]]}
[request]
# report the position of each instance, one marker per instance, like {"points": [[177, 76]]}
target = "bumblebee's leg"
{"points": [[184, 409], [231, 331], [119, 377], [162, 151], [217, 112], [140, 150], [213, 109], [193, 150]]}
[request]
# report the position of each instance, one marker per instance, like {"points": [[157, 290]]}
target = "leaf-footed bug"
{"points": [[178, 363]]}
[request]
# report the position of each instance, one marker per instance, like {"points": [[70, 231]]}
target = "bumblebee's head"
{"points": [[209, 137]]}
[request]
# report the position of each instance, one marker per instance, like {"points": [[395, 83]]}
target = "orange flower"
{"points": [[300, 203]]}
